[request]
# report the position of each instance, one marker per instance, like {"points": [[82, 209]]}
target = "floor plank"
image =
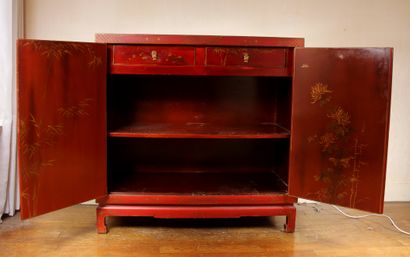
{"points": [[320, 231]]}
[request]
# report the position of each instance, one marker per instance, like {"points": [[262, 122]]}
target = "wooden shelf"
{"points": [[200, 130], [254, 186], [197, 183]]}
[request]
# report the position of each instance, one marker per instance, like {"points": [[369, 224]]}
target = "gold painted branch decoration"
{"points": [[339, 150], [35, 137]]}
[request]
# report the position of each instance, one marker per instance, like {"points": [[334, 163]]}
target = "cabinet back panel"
{"points": [[194, 184], [197, 155], [222, 101], [130, 157]]}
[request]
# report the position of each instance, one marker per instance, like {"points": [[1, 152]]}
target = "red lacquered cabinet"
{"points": [[200, 126]]}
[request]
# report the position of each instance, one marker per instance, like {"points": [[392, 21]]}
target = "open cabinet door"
{"points": [[61, 124], [340, 122]]}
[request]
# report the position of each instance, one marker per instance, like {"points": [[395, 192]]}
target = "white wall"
{"points": [[346, 23]]}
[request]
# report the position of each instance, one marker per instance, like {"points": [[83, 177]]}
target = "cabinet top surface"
{"points": [[206, 40]]}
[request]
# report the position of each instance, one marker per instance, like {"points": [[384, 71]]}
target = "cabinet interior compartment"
{"points": [[198, 166], [198, 107], [196, 135]]}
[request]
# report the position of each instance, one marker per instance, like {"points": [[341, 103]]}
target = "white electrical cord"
{"points": [[367, 215]]}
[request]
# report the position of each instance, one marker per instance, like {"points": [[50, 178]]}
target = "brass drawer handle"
{"points": [[245, 57], [154, 55]]}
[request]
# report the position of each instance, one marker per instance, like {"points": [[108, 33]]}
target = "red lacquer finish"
{"points": [[240, 41], [200, 55], [213, 138], [340, 119], [200, 70], [124, 198], [200, 126], [196, 212], [200, 130], [199, 61], [153, 55], [247, 183], [199, 107], [246, 57], [61, 124]]}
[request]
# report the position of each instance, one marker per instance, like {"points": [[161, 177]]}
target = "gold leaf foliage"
{"points": [[36, 140], [57, 49], [340, 170], [48, 163], [60, 50], [75, 111], [31, 149]]}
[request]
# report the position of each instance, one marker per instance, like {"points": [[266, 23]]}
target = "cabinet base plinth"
{"points": [[173, 212]]}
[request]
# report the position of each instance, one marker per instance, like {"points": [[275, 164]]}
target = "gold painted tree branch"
{"points": [[342, 167]]}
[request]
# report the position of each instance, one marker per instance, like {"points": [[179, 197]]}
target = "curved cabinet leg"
{"points": [[101, 222]]}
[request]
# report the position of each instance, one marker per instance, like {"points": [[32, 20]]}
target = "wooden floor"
{"points": [[320, 231]]}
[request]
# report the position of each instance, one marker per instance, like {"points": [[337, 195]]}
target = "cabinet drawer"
{"points": [[249, 57], [155, 55]]}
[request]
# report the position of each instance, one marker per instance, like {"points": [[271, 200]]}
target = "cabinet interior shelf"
{"points": [[198, 183], [201, 130]]}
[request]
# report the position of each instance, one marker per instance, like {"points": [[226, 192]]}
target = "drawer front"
{"points": [[247, 57], [153, 55]]}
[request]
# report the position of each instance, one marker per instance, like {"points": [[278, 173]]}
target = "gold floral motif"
{"points": [[341, 162], [318, 91], [340, 116], [327, 140]]}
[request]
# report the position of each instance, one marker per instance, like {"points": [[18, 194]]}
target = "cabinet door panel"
{"points": [[340, 120], [61, 124]]}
